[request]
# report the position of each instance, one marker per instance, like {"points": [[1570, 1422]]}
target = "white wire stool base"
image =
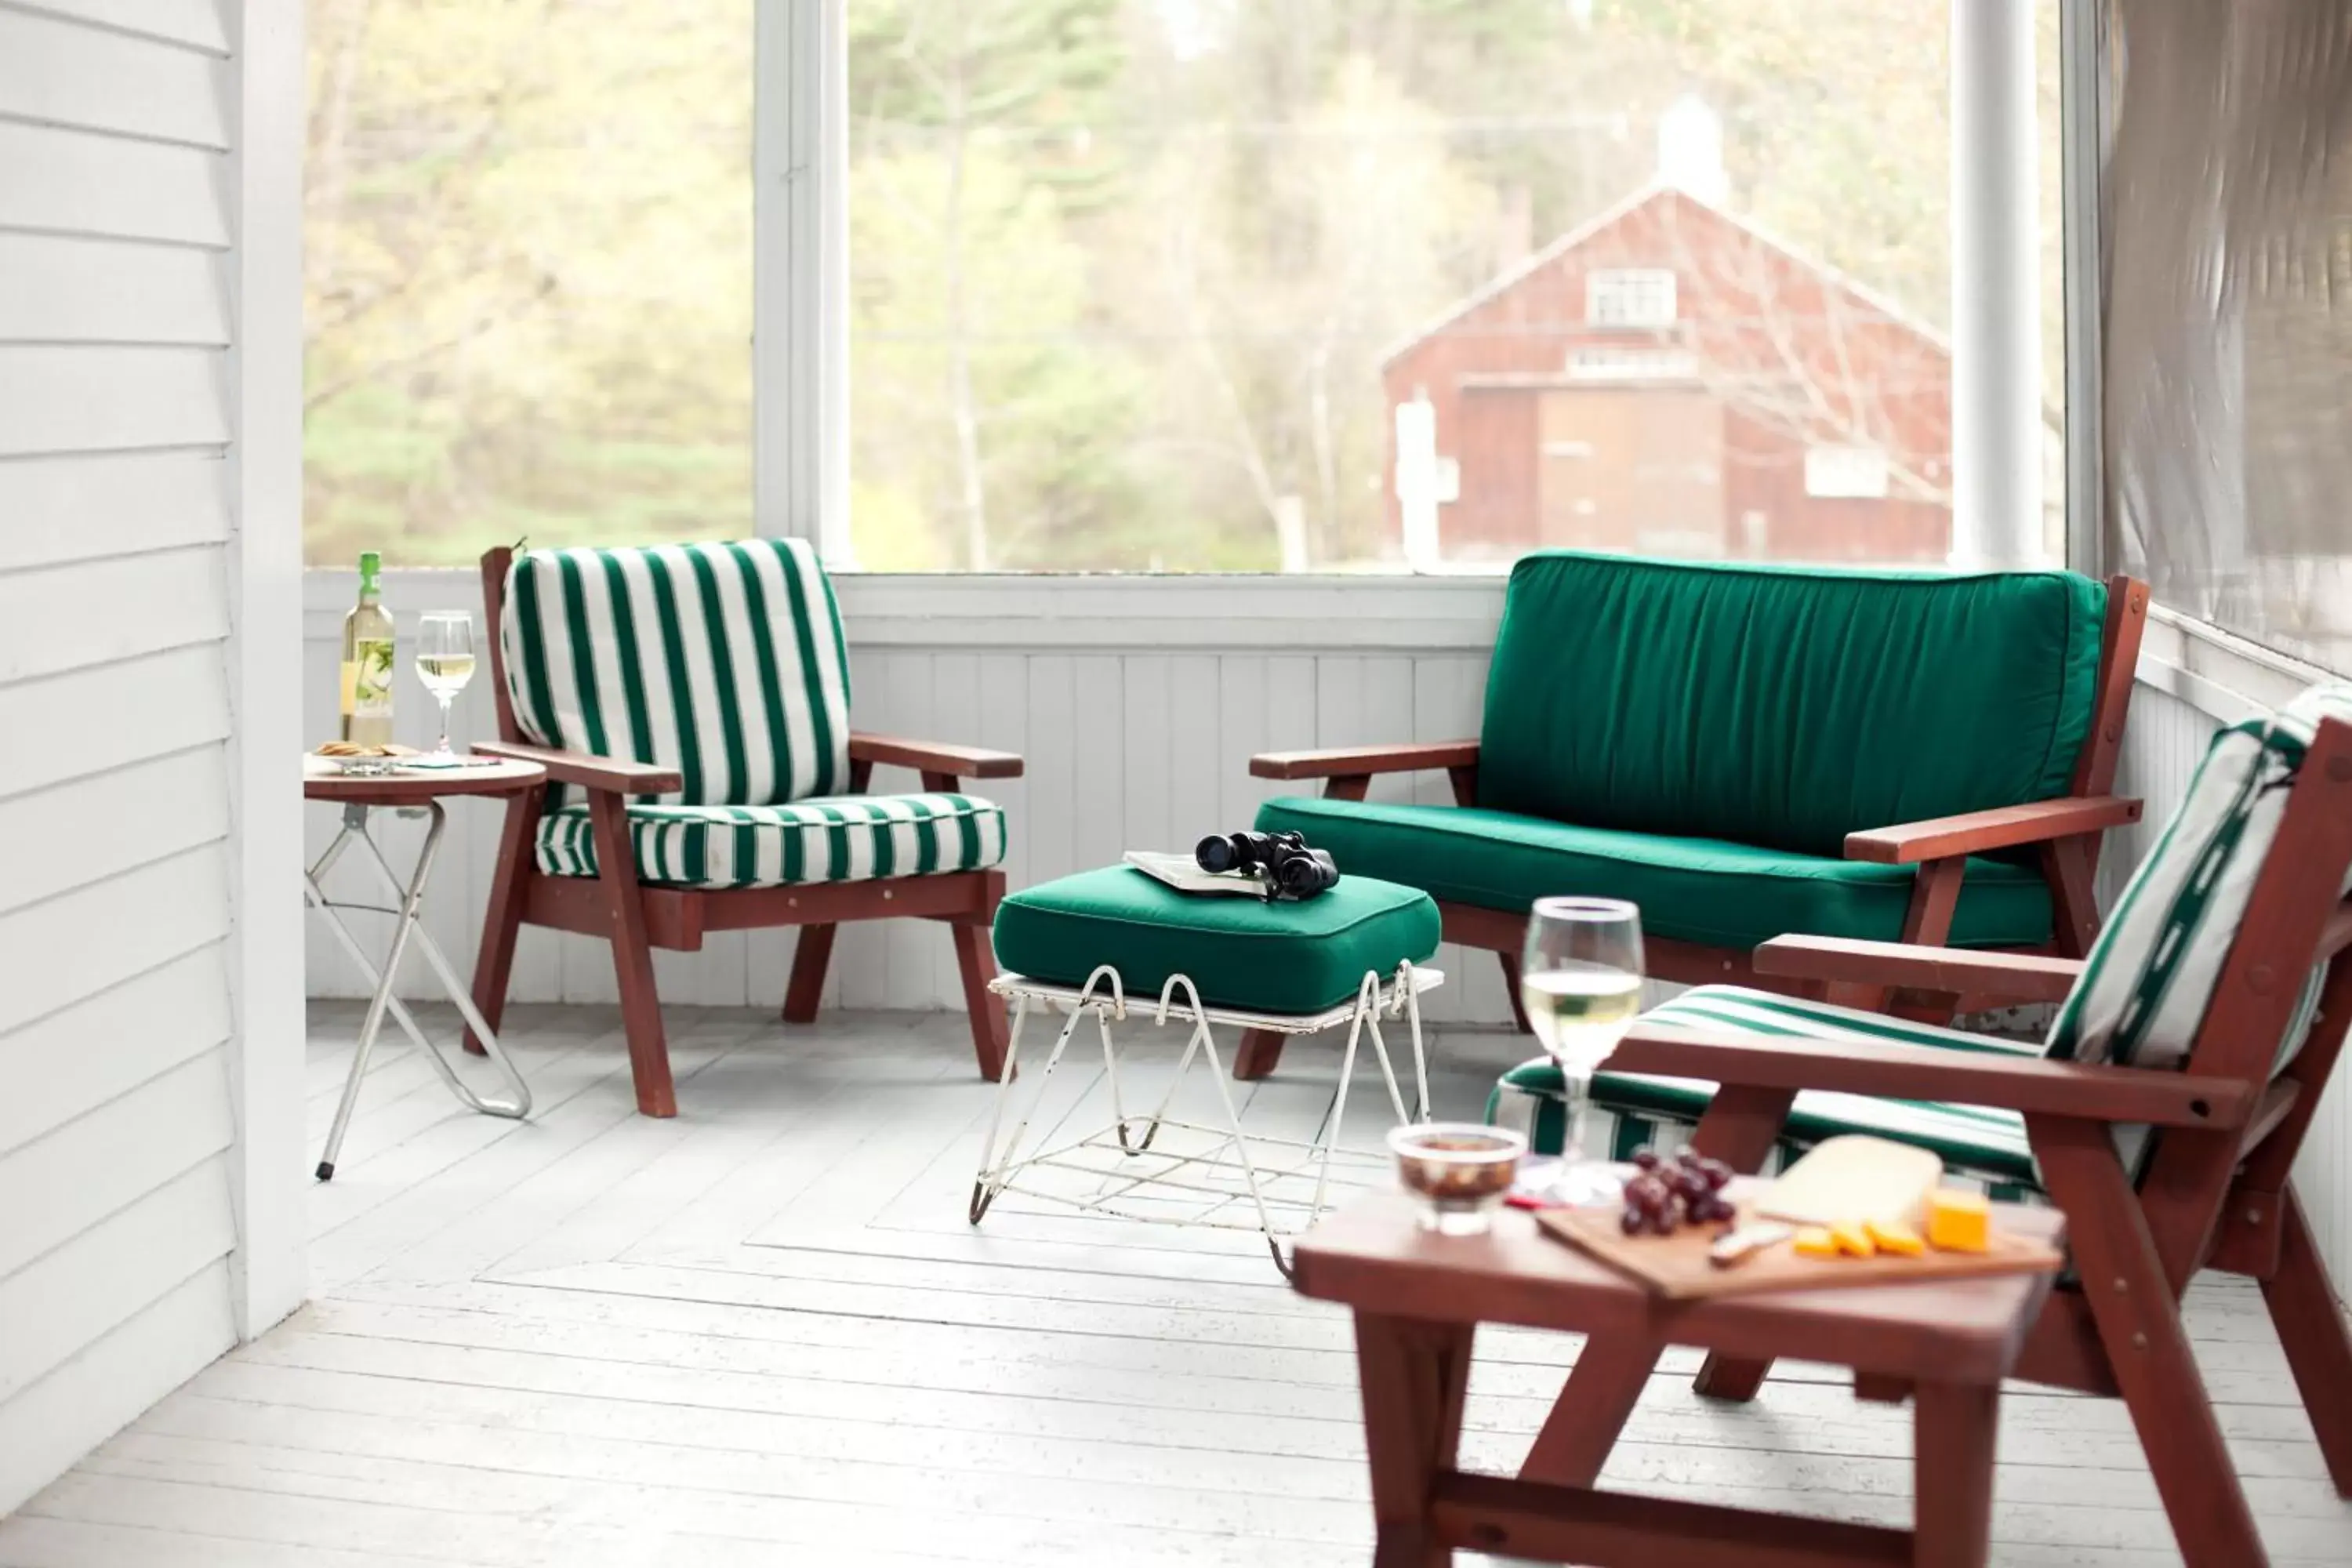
{"points": [[1157, 1168]]}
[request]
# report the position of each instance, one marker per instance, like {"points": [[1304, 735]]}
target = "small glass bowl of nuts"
{"points": [[1458, 1169]]}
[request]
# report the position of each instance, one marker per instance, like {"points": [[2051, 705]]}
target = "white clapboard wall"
{"points": [[115, 1213]]}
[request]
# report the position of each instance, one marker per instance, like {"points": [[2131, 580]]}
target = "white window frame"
{"points": [[1630, 297], [800, 271]]}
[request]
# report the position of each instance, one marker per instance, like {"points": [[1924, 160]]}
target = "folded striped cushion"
{"points": [[2150, 976], [837, 838], [1974, 1140], [724, 661]]}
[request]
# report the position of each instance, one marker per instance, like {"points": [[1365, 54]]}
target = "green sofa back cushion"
{"points": [[1781, 706]]}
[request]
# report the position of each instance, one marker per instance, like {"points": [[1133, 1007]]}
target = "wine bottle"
{"points": [[368, 662]]}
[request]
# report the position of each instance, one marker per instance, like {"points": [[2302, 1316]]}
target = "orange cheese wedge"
{"points": [[1899, 1239], [1815, 1241], [1852, 1239], [1958, 1222]]}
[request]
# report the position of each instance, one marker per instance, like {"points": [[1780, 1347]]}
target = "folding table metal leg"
{"points": [[406, 925]]}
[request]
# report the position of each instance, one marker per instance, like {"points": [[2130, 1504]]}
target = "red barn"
{"points": [[1670, 379]]}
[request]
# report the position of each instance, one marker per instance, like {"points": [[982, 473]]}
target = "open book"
{"points": [[1183, 873]]}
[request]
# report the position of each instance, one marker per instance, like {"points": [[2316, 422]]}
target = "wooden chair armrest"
{"points": [[587, 771], [934, 757], [2034, 1085], [2004, 827], [2009, 976], [1354, 762]]}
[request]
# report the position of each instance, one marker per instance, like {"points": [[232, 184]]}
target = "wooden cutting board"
{"points": [[1676, 1266]]}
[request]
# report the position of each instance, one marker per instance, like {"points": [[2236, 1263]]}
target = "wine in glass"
{"points": [[445, 661], [1581, 983]]}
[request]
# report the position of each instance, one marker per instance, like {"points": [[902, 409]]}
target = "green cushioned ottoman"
{"points": [[1268, 969], [1287, 958]]}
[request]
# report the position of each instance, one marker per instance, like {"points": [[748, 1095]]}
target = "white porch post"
{"points": [[1996, 287]]}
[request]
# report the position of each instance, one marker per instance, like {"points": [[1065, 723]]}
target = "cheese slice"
{"points": [[1856, 1179], [1853, 1239], [1815, 1241], [1899, 1239]]}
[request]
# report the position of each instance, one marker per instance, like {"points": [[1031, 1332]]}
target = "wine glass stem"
{"points": [[443, 747], [1576, 1089]]}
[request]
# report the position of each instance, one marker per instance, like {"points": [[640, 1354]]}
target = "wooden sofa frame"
{"points": [[2216, 1192], [2066, 831], [636, 916]]}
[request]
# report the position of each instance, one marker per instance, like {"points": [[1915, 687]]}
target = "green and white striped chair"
{"points": [[2163, 1116], [2138, 999], [690, 704]]}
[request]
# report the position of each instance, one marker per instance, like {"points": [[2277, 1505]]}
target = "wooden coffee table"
{"points": [[1418, 1299]]}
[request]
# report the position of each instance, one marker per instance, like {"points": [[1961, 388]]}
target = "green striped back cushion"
{"points": [[724, 661], [2150, 976]]}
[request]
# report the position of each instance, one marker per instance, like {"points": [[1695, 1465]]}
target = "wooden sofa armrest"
{"points": [[2003, 827], [587, 771], [2032, 1085], [2007, 977], [934, 757], [1356, 762]]}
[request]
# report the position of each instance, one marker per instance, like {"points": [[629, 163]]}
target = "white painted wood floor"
{"points": [[762, 1334]]}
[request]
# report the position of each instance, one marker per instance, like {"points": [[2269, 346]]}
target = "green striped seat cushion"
{"points": [[837, 838], [724, 661], [1973, 1140]]}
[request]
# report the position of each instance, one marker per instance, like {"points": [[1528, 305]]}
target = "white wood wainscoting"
{"points": [[1138, 704], [124, 561]]}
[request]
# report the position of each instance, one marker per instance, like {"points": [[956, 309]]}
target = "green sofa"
{"points": [[1748, 749]]}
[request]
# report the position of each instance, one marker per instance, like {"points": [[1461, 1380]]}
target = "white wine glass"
{"points": [[1581, 983], [445, 661]]}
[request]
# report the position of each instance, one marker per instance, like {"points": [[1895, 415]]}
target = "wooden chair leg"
{"points": [[1259, 1053], [811, 955], [1511, 988], [1606, 1384], [2138, 1318], [1414, 1375], [977, 963], [632, 955], [502, 921], [2310, 1324], [1952, 1466], [1740, 1129], [1731, 1379]]}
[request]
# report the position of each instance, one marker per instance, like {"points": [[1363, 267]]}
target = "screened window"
{"points": [[528, 240], [1341, 284], [2227, 358]]}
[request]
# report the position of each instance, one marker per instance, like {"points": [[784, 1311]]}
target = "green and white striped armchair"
{"points": [[690, 704]]}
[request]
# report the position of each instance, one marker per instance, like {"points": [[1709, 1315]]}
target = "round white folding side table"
{"points": [[420, 789]]}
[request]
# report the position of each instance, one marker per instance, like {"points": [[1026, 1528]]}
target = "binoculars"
{"points": [[1281, 860]]}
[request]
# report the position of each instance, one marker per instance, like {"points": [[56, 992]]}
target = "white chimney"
{"points": [[1690, 149]]}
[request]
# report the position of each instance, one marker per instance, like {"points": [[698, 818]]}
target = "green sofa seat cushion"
{"points": [[1291, 958], [1782, 706], [1705, 891]]}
